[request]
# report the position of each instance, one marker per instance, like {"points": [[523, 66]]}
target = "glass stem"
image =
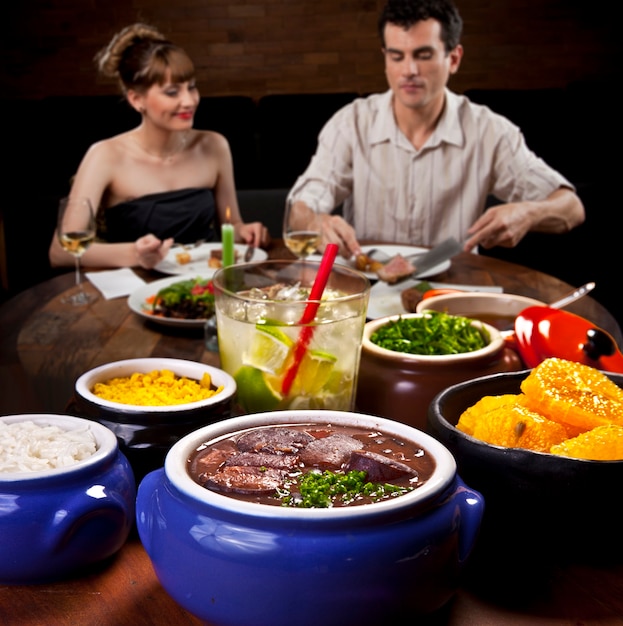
{"points": [[78, 284]]}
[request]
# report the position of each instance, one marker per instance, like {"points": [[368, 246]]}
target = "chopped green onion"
{"points": [[323, 489], [434, 333]]}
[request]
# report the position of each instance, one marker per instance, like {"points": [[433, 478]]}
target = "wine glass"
{"points": [[76, 232], [301, 228]]}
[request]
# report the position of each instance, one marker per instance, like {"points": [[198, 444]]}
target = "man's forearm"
{"points": [[559, 213]]}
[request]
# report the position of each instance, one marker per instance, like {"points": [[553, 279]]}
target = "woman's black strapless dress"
{"points": [[185, 214]]}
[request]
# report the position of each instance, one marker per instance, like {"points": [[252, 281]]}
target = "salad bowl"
{"points": [[190, 301]]}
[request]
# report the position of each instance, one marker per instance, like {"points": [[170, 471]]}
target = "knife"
{"points": [[248, 255], [440, 253]]}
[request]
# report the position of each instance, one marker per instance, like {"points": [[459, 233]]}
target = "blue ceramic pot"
{"points": [[57, 521], [238, 563]]}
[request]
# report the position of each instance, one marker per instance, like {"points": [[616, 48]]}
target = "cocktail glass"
{"points": [[258, 312]]}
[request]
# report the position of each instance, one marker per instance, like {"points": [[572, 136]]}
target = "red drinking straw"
{"points": [[309, 314]]}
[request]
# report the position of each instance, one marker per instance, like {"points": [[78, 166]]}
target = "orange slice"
{"points": [[573, 393], [469, 418], [604, 443], [516, 426]]}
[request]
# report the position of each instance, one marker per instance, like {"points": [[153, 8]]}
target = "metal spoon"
{"points": [[572, 296], [211, 334]]}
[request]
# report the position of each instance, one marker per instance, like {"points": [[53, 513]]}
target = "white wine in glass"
{"points": [[76, 232], [301, 229]]}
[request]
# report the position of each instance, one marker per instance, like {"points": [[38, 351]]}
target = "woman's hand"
{"points": [[254, 233], [150, 250]]}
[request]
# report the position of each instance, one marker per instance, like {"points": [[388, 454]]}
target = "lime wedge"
{"points": [[255, 393], [269, 349], [314, 372]]}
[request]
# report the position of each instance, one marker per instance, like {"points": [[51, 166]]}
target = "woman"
{"points": [[162, 181]]}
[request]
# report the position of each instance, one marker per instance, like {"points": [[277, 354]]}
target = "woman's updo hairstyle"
{"points": [[139, 56]]}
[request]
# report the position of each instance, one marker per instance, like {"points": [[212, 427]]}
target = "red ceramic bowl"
{"points": [[543, 332]]}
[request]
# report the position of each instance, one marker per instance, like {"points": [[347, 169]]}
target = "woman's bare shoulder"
{"points": [[112, 146], [210, 140]]}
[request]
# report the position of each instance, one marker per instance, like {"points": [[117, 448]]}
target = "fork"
{"points": [[188, 246]]}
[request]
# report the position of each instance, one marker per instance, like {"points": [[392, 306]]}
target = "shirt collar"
{"points": [[384, 125], [448, 129]]}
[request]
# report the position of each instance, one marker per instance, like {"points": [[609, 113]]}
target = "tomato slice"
{"points": [[439, 292], [200, 290]]}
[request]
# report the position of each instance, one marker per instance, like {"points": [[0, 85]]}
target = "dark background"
{"points": [[549, 65], [257, 47]]}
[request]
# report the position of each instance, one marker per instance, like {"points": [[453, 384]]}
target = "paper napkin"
{"points": [[115, 283]]}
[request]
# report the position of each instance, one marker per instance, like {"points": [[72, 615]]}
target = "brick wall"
{"points": [[257, 47]]}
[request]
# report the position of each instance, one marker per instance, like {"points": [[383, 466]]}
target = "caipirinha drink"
{"points": [[258, 309]]}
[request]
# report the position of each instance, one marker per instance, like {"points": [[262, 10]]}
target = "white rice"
{"points": [[28, 447]]}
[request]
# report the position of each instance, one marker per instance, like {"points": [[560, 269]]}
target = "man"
{"points": [[416, 164]]}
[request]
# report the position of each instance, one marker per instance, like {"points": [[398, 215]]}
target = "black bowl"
{"points": [[541, 510]]}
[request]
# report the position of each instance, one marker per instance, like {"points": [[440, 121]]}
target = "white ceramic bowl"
{"points": [[180, 367], [496, 309], [146, 433]]}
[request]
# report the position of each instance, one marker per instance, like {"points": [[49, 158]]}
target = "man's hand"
{"points": [[503, 225], [334, 229], [506, 224]]}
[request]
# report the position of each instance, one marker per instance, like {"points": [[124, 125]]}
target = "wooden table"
{"points": [[45, 345]]}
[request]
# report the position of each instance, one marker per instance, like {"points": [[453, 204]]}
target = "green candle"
{"points": [[227, 237]]}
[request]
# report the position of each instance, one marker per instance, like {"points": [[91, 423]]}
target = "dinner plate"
{"points": [[385, 299], [391, 250], [137, 301], [199, 259]]}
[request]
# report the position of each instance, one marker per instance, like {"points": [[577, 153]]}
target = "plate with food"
{"points": [[204, 259], [403, 297], [175, 301], [392, 263]]}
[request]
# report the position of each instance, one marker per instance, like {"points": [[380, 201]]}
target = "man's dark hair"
{"points": [[406, 13]]}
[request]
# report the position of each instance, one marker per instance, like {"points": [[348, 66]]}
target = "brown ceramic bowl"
{"points": [[401, 386], [497, 309], [540, 509]]}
